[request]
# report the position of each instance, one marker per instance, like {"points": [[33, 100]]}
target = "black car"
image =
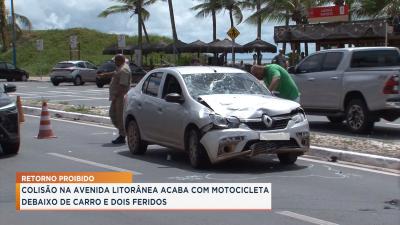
{"points": [[109, 66], [11, 73], [9, 124]]}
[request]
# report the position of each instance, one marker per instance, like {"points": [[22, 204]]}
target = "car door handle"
{"points": [[311, 79], [334, 78]]}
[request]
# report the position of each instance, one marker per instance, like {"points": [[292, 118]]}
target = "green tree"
{"points": [[234, 8], [130, 6], [205, 9]]}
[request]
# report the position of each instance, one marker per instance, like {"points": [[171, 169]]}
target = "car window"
{"points": [[107, 67], [171, 85], [90, 65], [10, 66], [3, 66], [375, 58], [223, 83], [63, 65], [80, 65], [152, 84], [311, 64], [332, 60]]}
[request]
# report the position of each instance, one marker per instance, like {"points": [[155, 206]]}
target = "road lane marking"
{"points": [[80, 123], [305, 218], [349, 166], [101, 165]]}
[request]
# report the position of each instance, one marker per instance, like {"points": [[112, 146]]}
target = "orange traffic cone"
{"points": [[21, 116], [45, 130]]}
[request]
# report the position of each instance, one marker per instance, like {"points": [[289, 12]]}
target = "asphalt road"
{"points": [[310, 192], [92, 96]]}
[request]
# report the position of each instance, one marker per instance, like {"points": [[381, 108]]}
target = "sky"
{"points": [[62, 14]]}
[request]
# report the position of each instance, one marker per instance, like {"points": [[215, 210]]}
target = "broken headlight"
{"points": [[299, 117], [224, 122]]}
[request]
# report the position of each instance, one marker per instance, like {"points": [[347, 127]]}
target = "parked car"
{"points": [[77, 72], [109, 66], [11, 73], [214, 114], [9, 124], [359, 85]]}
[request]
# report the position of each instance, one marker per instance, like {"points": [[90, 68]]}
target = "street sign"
{"points": [[73, 41], [39, 45], [233, 33], [328, 14], [121, 41]]}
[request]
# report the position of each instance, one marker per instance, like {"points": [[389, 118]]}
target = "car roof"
{"points": [[358, 49], [202, 69]]}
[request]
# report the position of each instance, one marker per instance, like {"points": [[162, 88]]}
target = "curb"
{"points": [[355, 157], [321, 152], [68, 115]]}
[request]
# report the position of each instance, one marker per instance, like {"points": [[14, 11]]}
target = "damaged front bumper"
{"points": [[223, 144]]}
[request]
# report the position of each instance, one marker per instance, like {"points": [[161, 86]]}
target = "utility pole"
{"points": [[258, 31], [14, 36]]}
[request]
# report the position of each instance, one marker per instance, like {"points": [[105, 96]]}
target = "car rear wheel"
{"points": [[336, 119], [78, 81], [136, 145], [55, 83], [24, 78], [197, 154], [99, 84], [10, 148], [358, 117], [287, 158]]}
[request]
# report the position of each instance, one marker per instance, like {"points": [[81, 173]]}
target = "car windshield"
{"points": [[108, 66], [223, 83], [64, 65]]}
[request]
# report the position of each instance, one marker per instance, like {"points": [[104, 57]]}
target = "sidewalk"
{"points": [[39, 79]]}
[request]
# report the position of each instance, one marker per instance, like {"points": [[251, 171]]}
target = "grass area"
{"points": [[78, 109], [56, 48]]}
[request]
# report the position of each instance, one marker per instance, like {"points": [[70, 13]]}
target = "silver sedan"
{"points": [[214, 114]]}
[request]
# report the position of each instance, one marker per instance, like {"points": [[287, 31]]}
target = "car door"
{"points": [[82, 71], [91, 71], [11, 72], [173, 114], [148, 116], [3, 71], [305, 75]]}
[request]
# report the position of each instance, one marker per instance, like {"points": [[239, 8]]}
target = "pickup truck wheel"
{"points": [[78, 81], [287, 158], [136, 145], [336, 119], [197, 154], [358, 117]]}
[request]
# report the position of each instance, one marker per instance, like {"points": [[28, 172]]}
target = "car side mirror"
{"points": [[8, 88], [174, 97], [292, 69]]}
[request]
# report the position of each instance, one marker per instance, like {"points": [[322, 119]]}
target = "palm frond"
{"points": [[115, 9], [24, 21]]}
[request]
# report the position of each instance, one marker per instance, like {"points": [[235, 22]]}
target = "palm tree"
{"points": [[172, 18], [205, 9], [21, 23], [235, 11], [130, 6]]}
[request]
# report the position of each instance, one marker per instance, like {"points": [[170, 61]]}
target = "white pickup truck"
{"points": [[359, 85]]}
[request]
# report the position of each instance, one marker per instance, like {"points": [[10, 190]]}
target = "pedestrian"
{"points": [[119, 86], [280, 59], [277, 79]]}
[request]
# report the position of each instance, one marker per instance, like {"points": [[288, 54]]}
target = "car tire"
{"points": [[358, 117], [197, 154], [78, 80], [287, 158], [99, 84], [10, 148], [336, 119], [136, 145], [55, 83], [24, 78]]}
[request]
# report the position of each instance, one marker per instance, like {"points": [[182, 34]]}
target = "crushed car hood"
{"points": [[248, 106]]}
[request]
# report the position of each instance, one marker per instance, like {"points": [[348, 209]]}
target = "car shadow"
{"points": [[6, 156], [171, 158], [111, 145], [379, 132]]}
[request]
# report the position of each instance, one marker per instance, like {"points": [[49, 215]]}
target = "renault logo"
{"points": [[267, 120]]}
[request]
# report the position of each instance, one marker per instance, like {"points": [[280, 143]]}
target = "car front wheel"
{"points": [[10, 148], [287, 158], [55, 83], [136, 145], [78, 81], [358, 117], [24, 78], [197, 154]]}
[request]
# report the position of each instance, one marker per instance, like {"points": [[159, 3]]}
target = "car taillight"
{"points": [[392, 85]]}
